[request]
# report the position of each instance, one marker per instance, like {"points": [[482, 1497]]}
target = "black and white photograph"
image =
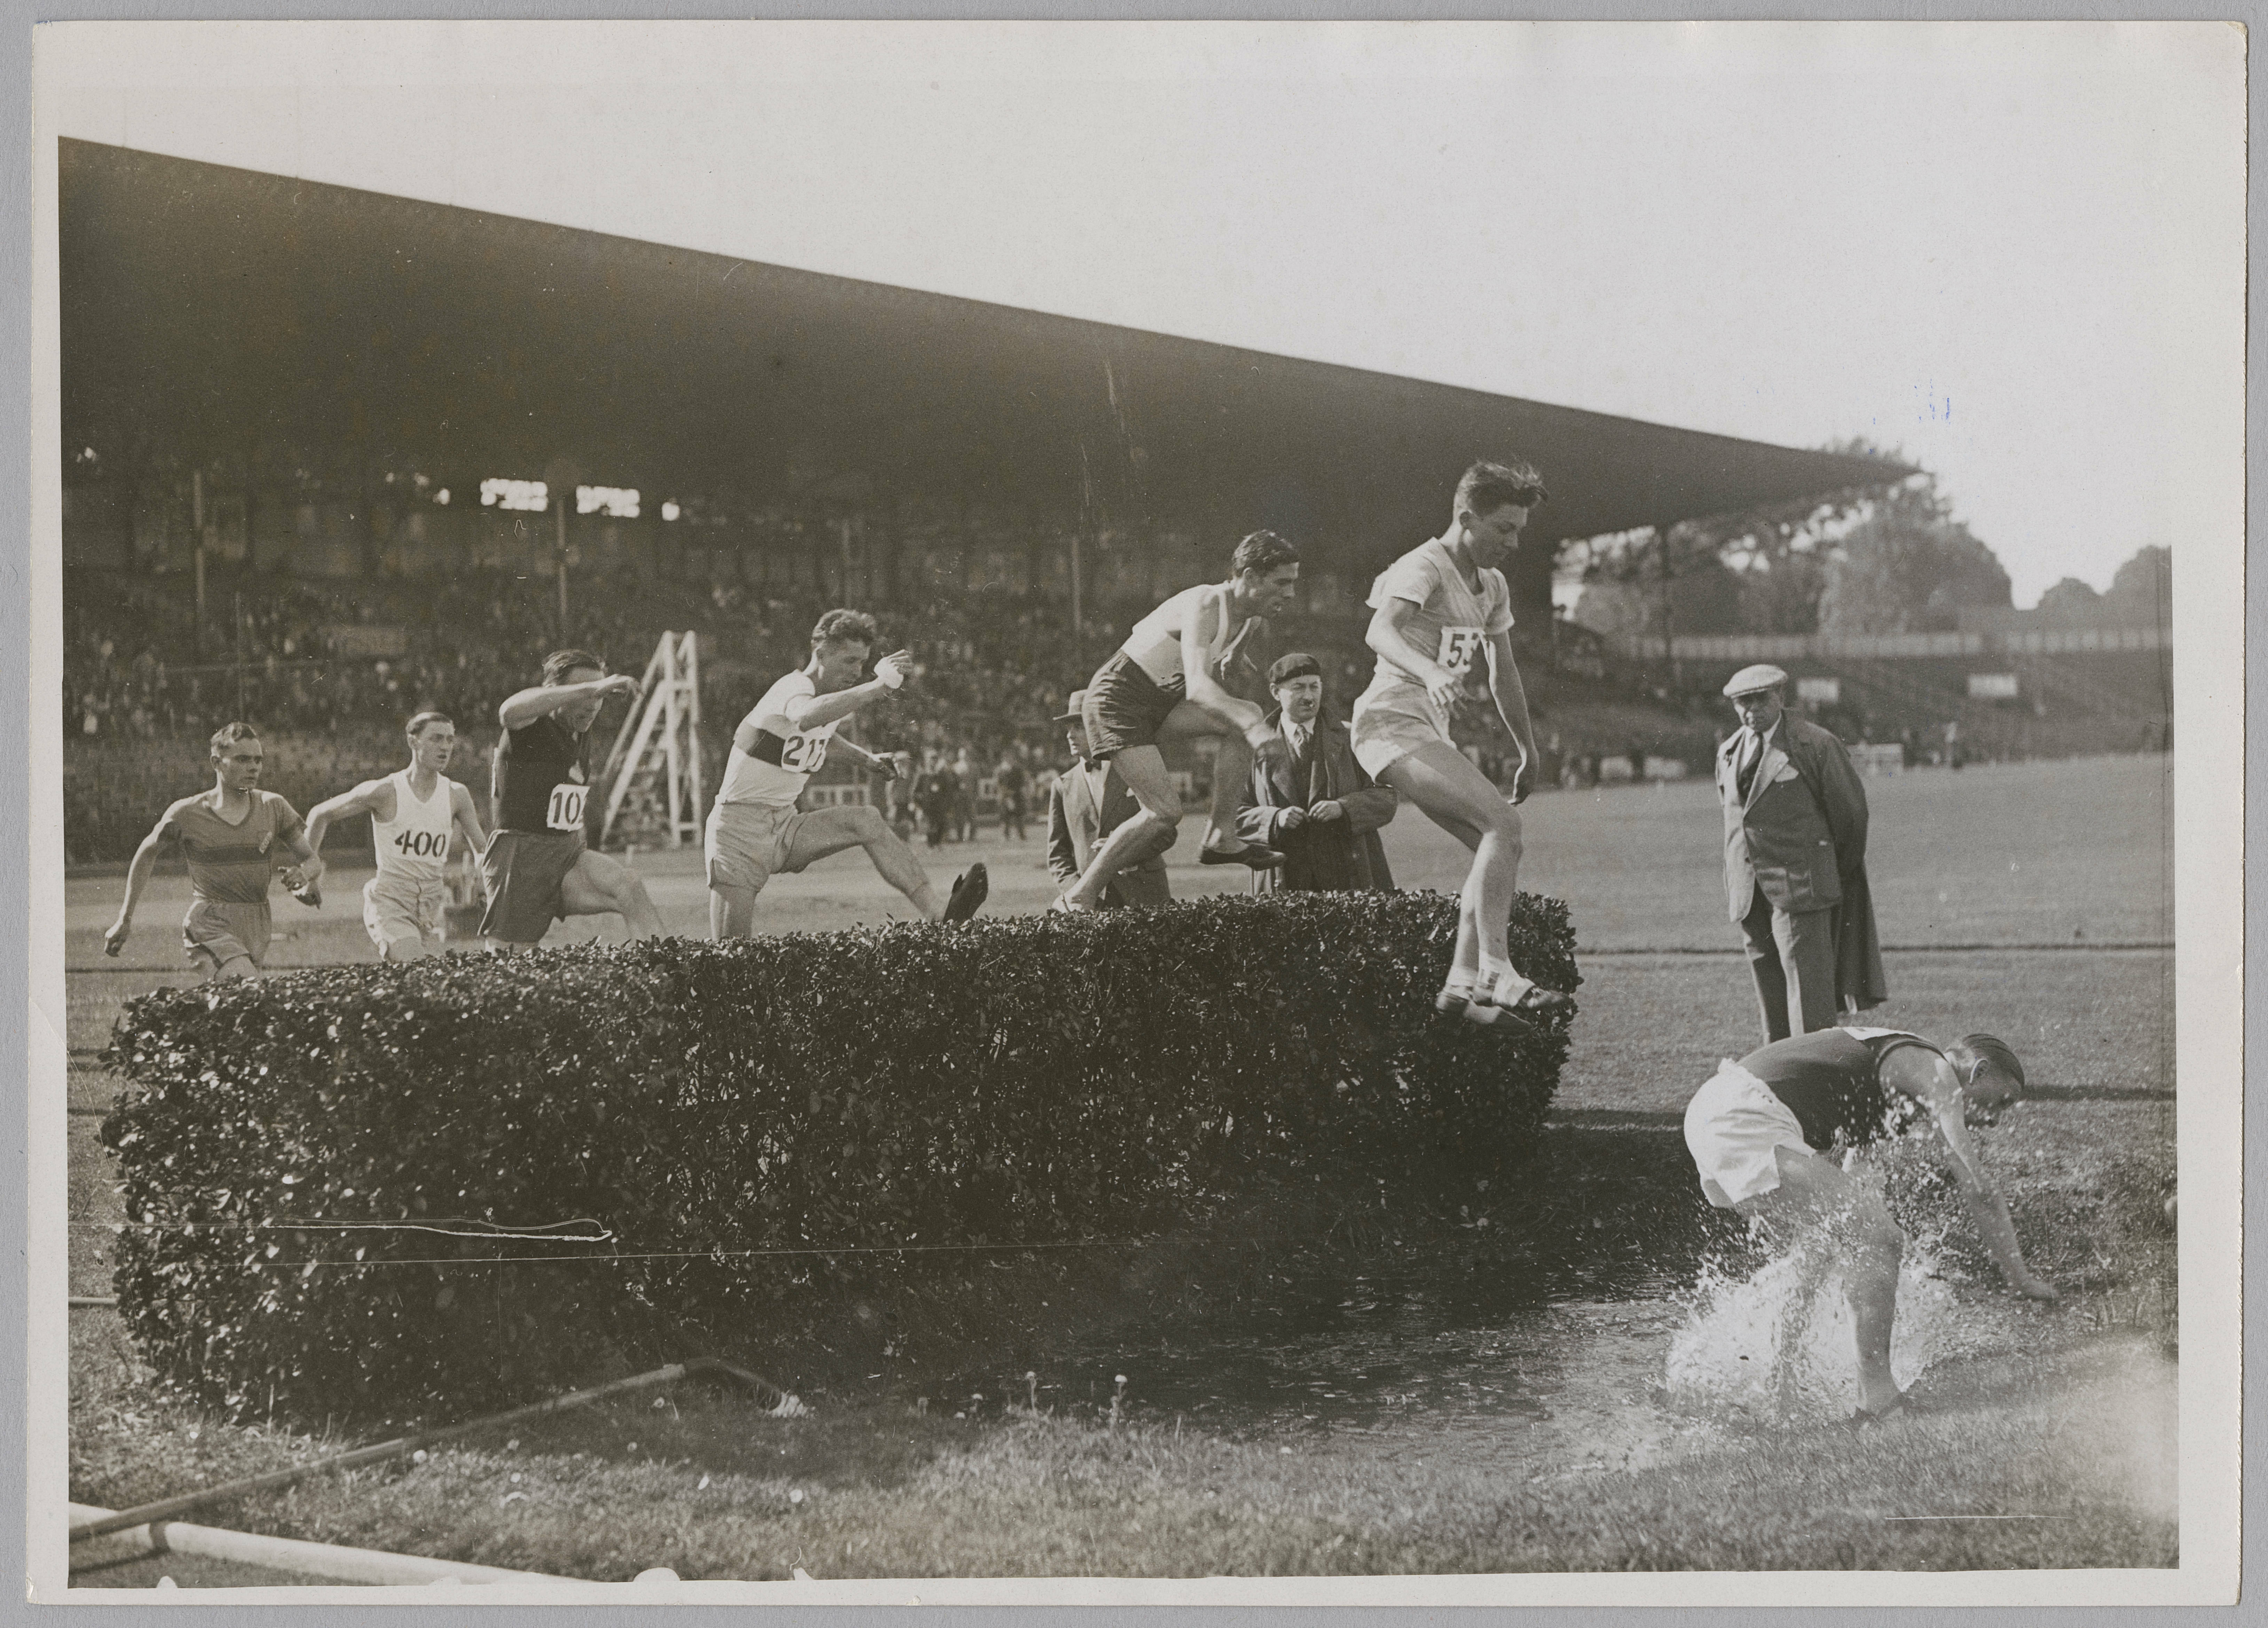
{"points": [[1140, 812]]}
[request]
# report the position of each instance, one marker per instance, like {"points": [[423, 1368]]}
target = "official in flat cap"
{"points": [[1318, 807], [1795, 861]]}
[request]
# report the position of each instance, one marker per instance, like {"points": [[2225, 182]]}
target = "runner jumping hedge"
{"points": [[350, 1186]]}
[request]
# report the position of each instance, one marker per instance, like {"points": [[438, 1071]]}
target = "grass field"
{"points": [[1476, 1390]]}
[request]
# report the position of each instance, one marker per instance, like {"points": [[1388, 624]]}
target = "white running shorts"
{"points": [[1732, 1126], [1383, 735], [747, 845], [398, 910]]}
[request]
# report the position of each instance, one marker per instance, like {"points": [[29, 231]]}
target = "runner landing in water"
{"points": [[1765, 1133]]}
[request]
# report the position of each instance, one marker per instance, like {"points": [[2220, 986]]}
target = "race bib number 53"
{"points": [[1459, 646], [565, 811]]}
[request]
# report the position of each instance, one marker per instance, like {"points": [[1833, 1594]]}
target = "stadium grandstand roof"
{"points": [[217, 313]]}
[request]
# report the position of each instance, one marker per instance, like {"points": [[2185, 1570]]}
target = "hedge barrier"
{"points": [[346, 1190]]}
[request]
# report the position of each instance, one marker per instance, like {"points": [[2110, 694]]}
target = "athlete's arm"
{"points": [[371, 797], [465, 815], [1931, 1080], [542, 700], [1236, 656], [1204, 686], [138, 877], [1389, 637], [1511, 697], [817, 711], [311, 866], [879, 762]]}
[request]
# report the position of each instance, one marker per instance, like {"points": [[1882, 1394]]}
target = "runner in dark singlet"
{"points": [[1765, 1132], [537, 868]]}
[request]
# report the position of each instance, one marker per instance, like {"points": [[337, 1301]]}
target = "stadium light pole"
{"points": [[562, 567], [197, 531], [561, 477], [1077, 613]]}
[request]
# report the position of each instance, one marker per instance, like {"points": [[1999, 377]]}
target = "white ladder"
{"points": [[657, 754]]}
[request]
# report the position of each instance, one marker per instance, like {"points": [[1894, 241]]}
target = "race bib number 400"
{"points": [[1459, 646], [422, 845], [565, 811]]}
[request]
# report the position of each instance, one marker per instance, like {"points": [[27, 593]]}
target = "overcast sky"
{"points": [[2013, 251]]}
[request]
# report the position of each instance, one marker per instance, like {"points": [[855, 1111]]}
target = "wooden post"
{"points": [[197, 532], [1077, 614], [1669, 614], [564, 637]]}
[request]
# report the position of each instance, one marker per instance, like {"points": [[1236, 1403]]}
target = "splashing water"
{"points": [[1778, 1345]]}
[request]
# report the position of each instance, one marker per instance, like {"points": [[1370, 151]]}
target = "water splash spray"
{"points": [[1778, 1345]]}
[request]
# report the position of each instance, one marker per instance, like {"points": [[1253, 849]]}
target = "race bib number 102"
{"points": [[565, 811], [1459, 646]]}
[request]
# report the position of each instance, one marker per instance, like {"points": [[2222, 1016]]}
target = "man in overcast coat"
{"points": [[1795, 862], [1317, 808]]}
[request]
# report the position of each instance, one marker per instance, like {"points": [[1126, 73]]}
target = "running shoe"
{"points": [[1531, 1008], [1252, 856], [968, 893]]}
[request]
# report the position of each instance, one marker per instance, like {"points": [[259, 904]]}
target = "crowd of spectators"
{"points": [[992, 669]]}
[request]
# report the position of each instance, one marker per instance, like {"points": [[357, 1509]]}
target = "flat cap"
{"points": [[1748, 681], [1293, 664]]}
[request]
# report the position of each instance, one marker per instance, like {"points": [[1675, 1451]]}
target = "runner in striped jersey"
{"points": [[228, 836]]}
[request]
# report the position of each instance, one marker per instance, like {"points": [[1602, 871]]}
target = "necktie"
{"points": [[1751, 754]]}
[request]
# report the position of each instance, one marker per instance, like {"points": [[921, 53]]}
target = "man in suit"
{"points": [[1086, 804], [1795, 861], [1318, 808], [933, 795]]}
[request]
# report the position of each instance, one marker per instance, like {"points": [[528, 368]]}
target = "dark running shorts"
{"points": [[522, 871], [216, 932], [1124, 707]]}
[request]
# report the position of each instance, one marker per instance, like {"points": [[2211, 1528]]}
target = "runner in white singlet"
{"points": [[754, 830], [413, 815], [1437, 610], [1167, 683], [1155, 644]]}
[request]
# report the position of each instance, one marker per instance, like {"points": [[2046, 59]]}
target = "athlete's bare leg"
{"points": [[1460, 800], [600, 884], [1231, 771], [1815, 1196], [831, 831], [731, 911], [1143, 769], [234, 967]]}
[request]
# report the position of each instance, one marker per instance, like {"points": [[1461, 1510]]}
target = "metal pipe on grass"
{"points": [[166, 1509]]}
